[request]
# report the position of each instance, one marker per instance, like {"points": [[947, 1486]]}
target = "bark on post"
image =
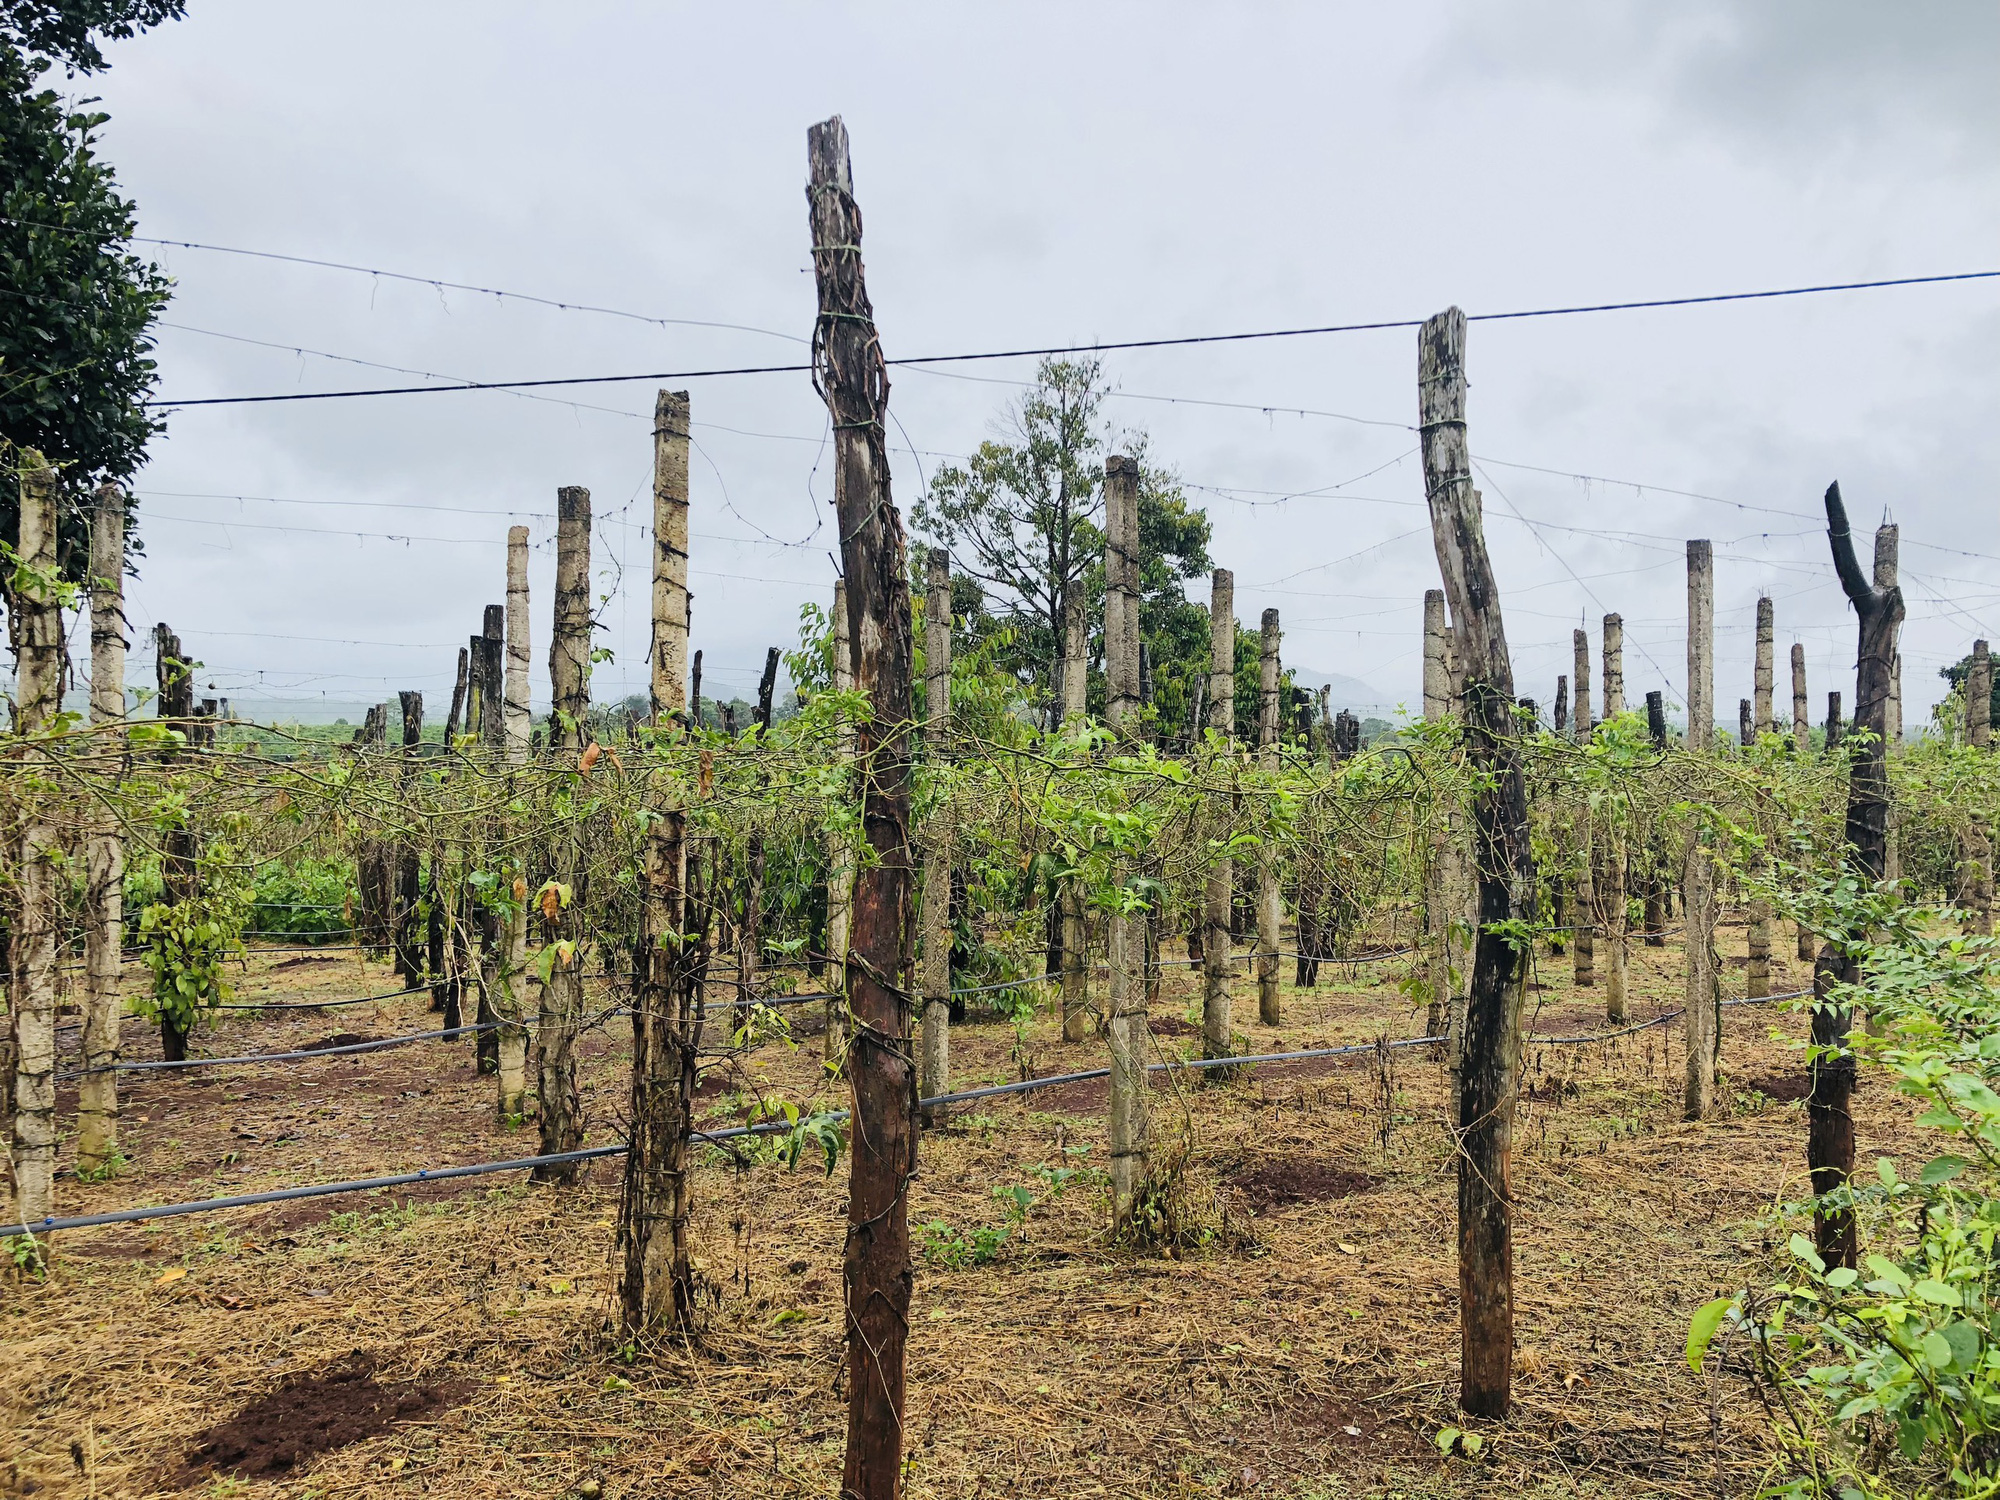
{"points": [[1075, 926], [1270, 905], [1614, 665], [1488, 1075], [1746, 730], [1440, 872], [1801, 709], [840, 858], [1836, 726], [1703, 995], [561, 1106], [37, 698], [849, 364], [671, 606], [1581, 721], [179, 873], [456, 716], [1217, 1031], [934, 1077], [104, 859], [517, 721], [1978, 898], [1125, 939], [409, 865], [1830, 1125], [1560, 715]]}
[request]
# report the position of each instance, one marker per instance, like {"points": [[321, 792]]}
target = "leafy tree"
{"points": [[76, 306], [1023, 519]]}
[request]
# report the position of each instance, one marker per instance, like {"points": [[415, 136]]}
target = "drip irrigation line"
{"points": [[1090, 348], [415, 989], [592, 1153], [1661, 1020]]}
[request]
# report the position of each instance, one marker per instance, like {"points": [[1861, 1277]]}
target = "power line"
{"points": [[1185, 341]]}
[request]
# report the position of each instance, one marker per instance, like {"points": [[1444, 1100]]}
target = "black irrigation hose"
{"points": [[525, 1163]]}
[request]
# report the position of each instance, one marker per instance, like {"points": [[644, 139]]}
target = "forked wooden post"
{"points": [[1217, 1026], [849, 365], [1270, 903], [934, 916], [104, 856], [1703, 994], [1489, 1070]]}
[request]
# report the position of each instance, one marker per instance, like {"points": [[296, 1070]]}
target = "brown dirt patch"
{"points": [[1268, 1182], [340, 1039], [310, 1414], [1172, 1026], [1780, 1088], [304, 959]]}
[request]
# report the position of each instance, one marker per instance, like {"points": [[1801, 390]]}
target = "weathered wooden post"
{"points": [[409, 864], [840, 857], [1583, 924], [750, 945], [1830, 1125], [1270, 903], [1559, 716], [179, 872], [1981, 847], [1613, 646], [1763, 680], [1440, 873], [1801, 745], [1885, 565], [569, 732], [506, 734], [1217, 1027], [934, 1076], [1836, 726], [657, 1287], [37, 700], [1075, 924], [877, 1262], [1703, 994], [1488, 1074], [1617, 928], [104, 858], [1125, 1025]]}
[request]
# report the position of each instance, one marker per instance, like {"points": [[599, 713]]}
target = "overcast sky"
{"points": [[1056, 174]]}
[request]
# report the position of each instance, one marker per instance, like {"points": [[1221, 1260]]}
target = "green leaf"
{"points": [[1941, 1169], [1964, 1340], [1469, 1443], [1842, 1277], [1910, 1438], [1936, 1292], [1937, 1350], [1802, 1250], [1701, 1330], [1889, 1271], [1447, 1439]]}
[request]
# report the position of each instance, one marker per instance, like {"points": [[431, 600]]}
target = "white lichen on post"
{"points": [[1703, 994], [1216, 1022], [104, 859], [934, 917]]}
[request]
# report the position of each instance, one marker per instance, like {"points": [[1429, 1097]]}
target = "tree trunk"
{"points": [[935, 1074], [569, 692], [37, 700], [1488, 1075], [104, 860], [851, 374], [1270, 903], [1703, 997], [1830, 1137]]}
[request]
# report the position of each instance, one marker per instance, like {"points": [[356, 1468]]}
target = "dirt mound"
{"points": [[295, 963], [340, 1039], [1268, 1182], [310, 1414], [1172, 1026]]}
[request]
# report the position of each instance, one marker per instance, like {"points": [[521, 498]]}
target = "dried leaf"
{"points": [[592, 753], [172, 1273]]}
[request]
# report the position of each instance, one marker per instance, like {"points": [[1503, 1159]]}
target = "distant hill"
{"points": [[1350, 693]]}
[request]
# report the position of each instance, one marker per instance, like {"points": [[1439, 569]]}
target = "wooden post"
{"points": [[1488, 1074], [104, 858], [1614, 665], [1764, 711], [1075, 925], [491, 644], [458, 687], [37, 700], [409, 869], [569, 694], [696, 720], [517, 721], [1757, 971], [1560, 716], [934, 1077], [179, 874], [877, 1261], [1580, 715], [1801, 709], [1836, 726], [1270, 906], [1830, 1125], [1125, 1027], [671, 605], [750, 945], [1746, 729], [1703, 994], [1217, 1033], [1977, 896], [840, 858]]}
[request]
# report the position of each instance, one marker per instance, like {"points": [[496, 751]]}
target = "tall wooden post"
{"points": [[1581, 719], [409, 867], [179, 873], [1270, 906], [1217, 1034], [104, 858], [670, 553], [1613, 647], [1830, 1125], [1125, 1026], [1763, 685], [1073, 917], [840, 857], [1583, 923], [458, 690], [1489, 1069], [1703, 994], [750, 945], [518, 719], [658, 1282], [569, 732], [1836, 726], [877, 1262], [37, 699], [1979, 899], [934, 1077], [1801, 745]]}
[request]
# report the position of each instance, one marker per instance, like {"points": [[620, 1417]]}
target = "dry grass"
{"points": [[1306, 1350]]}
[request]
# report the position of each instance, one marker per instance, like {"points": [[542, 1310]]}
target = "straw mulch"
{"points": [[1300, 1341]]}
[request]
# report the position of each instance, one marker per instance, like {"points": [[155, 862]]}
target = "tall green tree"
{"points": [[1023, 520], [76, 305]]}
